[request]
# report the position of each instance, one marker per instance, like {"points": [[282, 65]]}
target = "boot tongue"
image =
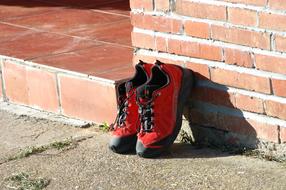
{"points": [[145, 92]]}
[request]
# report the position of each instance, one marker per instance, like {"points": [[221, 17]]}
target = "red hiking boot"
{"points": [[124, 135], [161, 101]]}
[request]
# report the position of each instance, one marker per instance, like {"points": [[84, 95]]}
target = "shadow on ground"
{"points": [[182, 150]]}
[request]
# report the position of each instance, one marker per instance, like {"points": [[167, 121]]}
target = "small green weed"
{"points": [[62, 144], [104, 127], [59, 145], [22, 181], [28, 152]]}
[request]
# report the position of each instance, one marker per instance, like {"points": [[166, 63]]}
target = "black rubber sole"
{"points": [[123, 145], [184, 93], [147, 152]]}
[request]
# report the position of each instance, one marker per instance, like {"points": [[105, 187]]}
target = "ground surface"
{"points": [[90, 165]]}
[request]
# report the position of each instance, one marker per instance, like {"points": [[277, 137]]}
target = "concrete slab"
{"points": [[91, 165]]}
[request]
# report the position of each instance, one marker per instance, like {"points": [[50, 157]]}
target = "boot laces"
{"points": [[146, 117], [120, 120], [123, 114]]}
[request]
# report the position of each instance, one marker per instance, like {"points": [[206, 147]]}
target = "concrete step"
{"points": [[65, 57], [72, 94]]}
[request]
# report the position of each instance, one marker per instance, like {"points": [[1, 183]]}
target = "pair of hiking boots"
{"points": [[150, 109]]}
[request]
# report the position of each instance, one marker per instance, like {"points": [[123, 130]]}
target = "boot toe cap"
{"points": [[122, 145], [144, 152]]}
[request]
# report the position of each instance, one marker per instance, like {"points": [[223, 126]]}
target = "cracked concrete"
{"points": [[18, 132], [90, 165]]}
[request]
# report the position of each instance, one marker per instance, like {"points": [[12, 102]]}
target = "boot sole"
{"points": [[184, 93], [123, 145]]}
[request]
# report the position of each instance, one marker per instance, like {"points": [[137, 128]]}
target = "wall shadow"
{"points": [[224, 130]]}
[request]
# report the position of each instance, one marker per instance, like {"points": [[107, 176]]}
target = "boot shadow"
{"points": [[182, 150], [215, 126]]}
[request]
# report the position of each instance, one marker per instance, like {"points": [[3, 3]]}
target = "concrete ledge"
{"points": [[58, 91]]}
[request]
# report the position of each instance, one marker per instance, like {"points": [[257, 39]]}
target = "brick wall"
{"points": [[237, 49]]}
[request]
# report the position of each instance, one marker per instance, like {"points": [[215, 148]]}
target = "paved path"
{"points": [[90, 165]]}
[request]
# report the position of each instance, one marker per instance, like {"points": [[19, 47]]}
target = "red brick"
{"points": [[270, 63], [240, 80], [161, 44], [15, 82], [242, 17], [142, 4], [280, 43], [152, 59], [157, 23], [249, 127], [249, 103], [214, 96], [201, 71], [239, 125], [238, 57], [206, 119], [42, 89], [145, 58], [283, 134], [165, 24], [197, 29], [200, 10], [30, 86], [174, 46], [143, 40], [162, 5], [228, 99], [140, 20], [136, 19], [169, 61], [234, 124], [250, 2], [224, 76], [264, 131], [241, 36], [198, 50], [272, 21], [88, 99], [279, 87], [147, 21], [275, 109], [277, 4], [255, 83]]}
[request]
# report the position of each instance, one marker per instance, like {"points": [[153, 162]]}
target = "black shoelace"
{"points": [[122, 112], [146, 115]]}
